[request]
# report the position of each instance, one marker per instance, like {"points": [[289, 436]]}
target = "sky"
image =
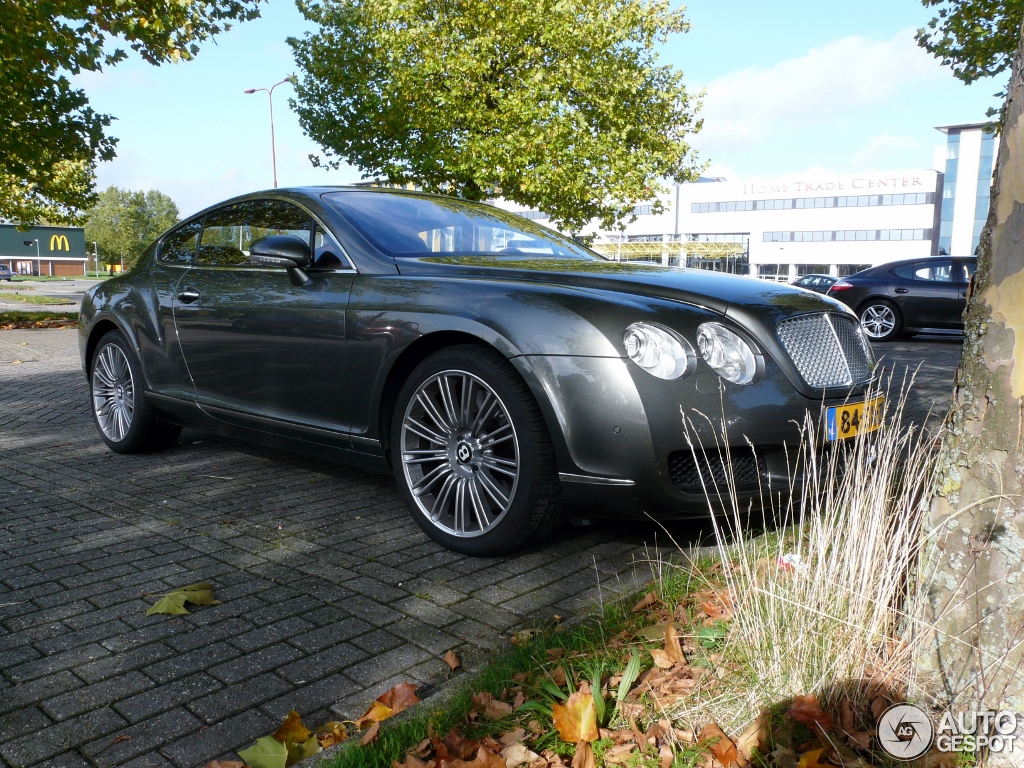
{"points": [[790, 87]]}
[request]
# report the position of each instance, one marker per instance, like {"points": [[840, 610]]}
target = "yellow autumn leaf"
{"points": [[576, 720]]}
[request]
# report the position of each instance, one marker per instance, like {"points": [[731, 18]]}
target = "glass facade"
{"points": [[783, 204], [949, 191], [828, 236], [988, 151]]}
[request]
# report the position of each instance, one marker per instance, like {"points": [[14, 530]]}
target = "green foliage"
{"points": [[975, 38], [267, 752], [557, 106], [123, 222], [51, 137]]}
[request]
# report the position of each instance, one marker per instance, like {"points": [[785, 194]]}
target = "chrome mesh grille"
{"points": [[826, 349]]}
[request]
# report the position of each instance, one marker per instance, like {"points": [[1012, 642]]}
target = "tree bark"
{"points": [[974, 597]]}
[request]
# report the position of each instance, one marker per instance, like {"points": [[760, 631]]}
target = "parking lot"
{"points": [[330, 592]]}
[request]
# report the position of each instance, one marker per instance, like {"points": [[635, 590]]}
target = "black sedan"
{"points": [[908, 295], [508, 376], [816, 283]]}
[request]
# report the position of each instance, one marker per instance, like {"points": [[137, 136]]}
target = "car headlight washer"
{"points": [[727, 353], [658, 350]]}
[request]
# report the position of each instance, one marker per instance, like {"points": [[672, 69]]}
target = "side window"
{"points": [[906, 271], [934, 271], [326, 251], [229, 232], [179, 245], [970, 266]]}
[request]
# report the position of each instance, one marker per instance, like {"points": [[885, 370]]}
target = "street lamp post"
{"points": [[270, 95]]}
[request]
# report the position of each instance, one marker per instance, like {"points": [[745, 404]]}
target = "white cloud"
{"points": [[746, 108]]}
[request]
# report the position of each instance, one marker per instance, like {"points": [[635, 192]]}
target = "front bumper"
{"points": [[625, 440]]}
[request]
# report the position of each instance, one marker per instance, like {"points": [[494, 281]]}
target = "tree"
{"points": [[51, 137], [560, 106], [977, 517], [123, 222], [975, 38]]}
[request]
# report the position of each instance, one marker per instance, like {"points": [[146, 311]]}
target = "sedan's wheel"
{"points": [[472, 455], [123, 414], [880, 320]]}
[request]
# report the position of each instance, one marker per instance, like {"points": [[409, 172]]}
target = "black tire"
{"points": [[880, 319], [123, 414], [485, 393]]}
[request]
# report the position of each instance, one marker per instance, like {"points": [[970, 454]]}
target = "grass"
{"points": [[18, 320], [835, 618], [10, 287], [46, 300]]}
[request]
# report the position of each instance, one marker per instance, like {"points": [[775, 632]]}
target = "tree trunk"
{"points": [[975, 599]]}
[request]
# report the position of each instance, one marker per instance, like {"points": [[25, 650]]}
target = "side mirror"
{"points": [[283, 251], [280, 251]]}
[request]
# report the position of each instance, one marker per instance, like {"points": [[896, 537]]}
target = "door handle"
{"points": [[898, 290], [188, 295]]}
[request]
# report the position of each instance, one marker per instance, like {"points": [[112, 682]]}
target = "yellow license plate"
{"points": [[850, 420]]}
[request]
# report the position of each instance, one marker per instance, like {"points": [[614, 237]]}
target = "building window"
{"points": [[532, 214], [840, 235], [845, 270], [643, 210], [915, 198], [812, 269], [645, 239], [778, 273]]}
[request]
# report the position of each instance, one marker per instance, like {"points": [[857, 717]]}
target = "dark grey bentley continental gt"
{"points": [[508, 376]]}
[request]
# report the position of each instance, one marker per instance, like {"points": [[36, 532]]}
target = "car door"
{"points": [[263, 352], [962, 273], [926, 293]]}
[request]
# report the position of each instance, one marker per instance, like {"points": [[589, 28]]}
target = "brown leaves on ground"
{"points": [[292, 729], [484, 759], [173, 603], [584, 757], [646, 602], [454, 747], [576, 720], [388, 704], [331, 733], [673, 653], [371, 734], [490, 707], [452, 660], [721, 746], [225, 764], [807, 710]]}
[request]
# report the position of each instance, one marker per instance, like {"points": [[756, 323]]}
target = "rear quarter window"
{"points": [[906, 271]]}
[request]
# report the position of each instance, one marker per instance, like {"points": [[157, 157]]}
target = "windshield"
{"points": [[410, 225]]}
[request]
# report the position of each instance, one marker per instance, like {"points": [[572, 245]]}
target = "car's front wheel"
{"points": [[123, 414], [880, 320], [472, 455]]}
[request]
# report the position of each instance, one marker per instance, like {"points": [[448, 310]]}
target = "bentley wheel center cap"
{"points": [[463, 453]]}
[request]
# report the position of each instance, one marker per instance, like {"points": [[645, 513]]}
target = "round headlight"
{"points": [[730, 356], [659, 351]]}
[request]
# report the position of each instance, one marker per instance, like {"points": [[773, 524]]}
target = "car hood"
{"points": [[724, 293]]}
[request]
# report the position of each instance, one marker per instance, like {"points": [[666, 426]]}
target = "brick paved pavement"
{"points": [[331, 594]]}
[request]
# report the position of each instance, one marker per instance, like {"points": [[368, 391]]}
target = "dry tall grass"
{"points": [[834, 617]]}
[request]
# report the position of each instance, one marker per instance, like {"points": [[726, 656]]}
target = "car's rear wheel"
{"points": [[880, 320], [472, 454], [120, 407]]}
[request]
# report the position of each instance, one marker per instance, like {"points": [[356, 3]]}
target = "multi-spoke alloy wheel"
{"points": [[879, 322], [113, 392], [472, 454], [460, 453]]}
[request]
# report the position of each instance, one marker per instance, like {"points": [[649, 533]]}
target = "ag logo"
{"points": [[59, 243], [905, 731]]}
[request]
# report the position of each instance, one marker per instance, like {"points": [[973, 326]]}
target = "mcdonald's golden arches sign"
{"points": [[59, 243]]}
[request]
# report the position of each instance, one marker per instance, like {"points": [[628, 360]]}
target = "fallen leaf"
{"points": [[517, 754], [846, 718], [483, 759], [370, 735], [720, 745], [784, 757], [513, 737], [519, 701], [584, 757], [375, 714], [225, 764], [452, 660], [292, 729], [661, 659], [645, 602], [455, 747], [420, 750], [523, 636], [810, 760], [807, 710], [672, 646], [411, 761], [331, 733], [619, 754], [577, 719], [267, 752], [666, 756], [861, 739], [878, 706], [554, 654], [302, 750], [173, 603], [755, 737], [936, 759], [490, 707]]}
